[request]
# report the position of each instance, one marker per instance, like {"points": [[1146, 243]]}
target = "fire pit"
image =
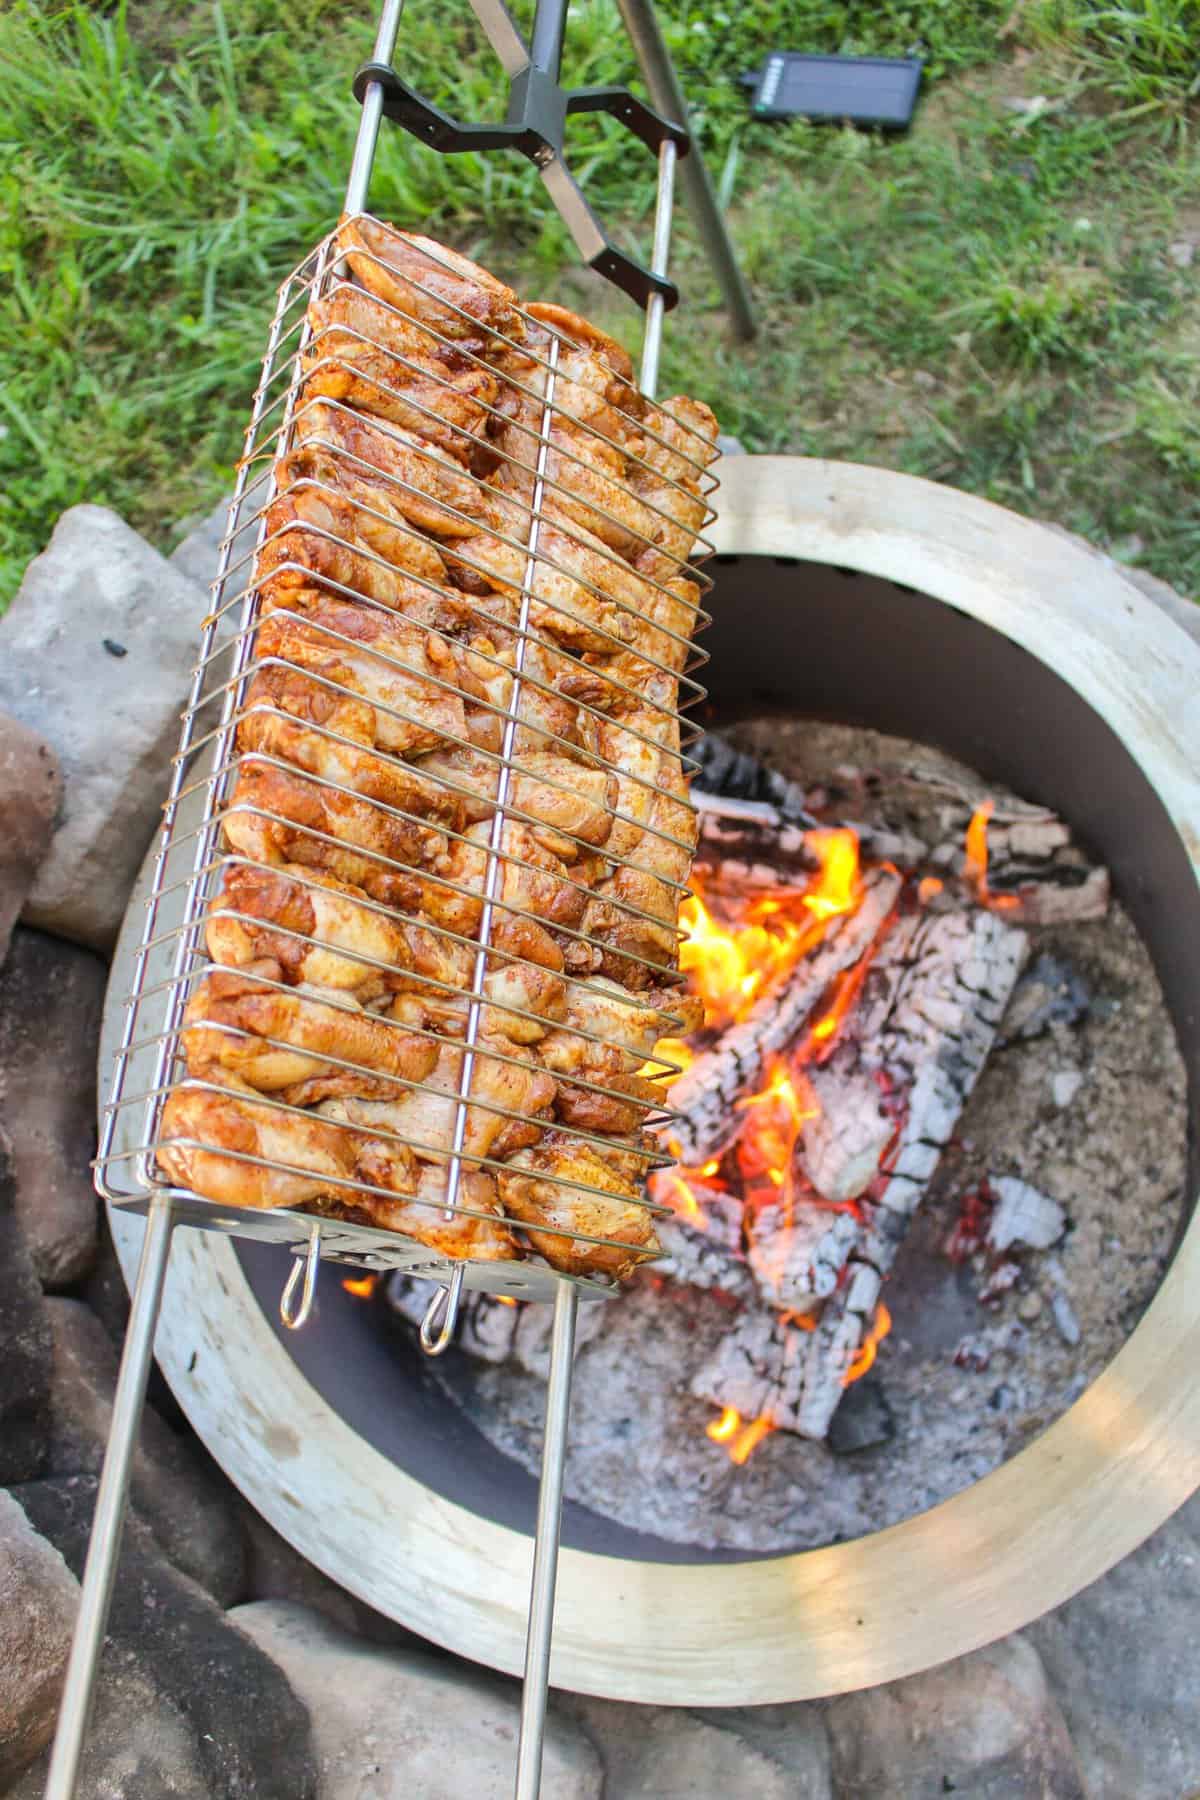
{"points": [[875, 600]]}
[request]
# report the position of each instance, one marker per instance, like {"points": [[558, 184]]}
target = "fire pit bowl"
{"points": [[871, 598]]}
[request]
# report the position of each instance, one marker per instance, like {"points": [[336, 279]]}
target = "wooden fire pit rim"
{"points": [[983, 1563]]}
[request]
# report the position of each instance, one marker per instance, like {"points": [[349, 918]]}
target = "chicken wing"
{"points": [[463, 1237], [219, 1144], [425, 281], [313, 925], [537, 1190], [276, 1042]]}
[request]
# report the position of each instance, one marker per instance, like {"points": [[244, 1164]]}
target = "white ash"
{"points": [[1023, 1217], [1115, 1161], [798, 1252]]}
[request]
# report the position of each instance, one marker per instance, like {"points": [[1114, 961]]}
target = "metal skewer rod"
{"points": [[109, 1520], [535, 1692], [372, 110]]}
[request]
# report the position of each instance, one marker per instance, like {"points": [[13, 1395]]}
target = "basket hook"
{"points": [[292, 1315], [444, 1305]]}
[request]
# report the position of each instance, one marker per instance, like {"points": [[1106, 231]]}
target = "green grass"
{"points": [[989, 301]]}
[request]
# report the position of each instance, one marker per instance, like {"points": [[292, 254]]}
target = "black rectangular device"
{"points": [[864, 90]]}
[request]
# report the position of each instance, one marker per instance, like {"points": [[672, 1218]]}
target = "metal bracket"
{"points": [[535, 124]]}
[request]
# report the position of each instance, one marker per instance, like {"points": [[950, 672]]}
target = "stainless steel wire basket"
{"points": [[549, 569]]}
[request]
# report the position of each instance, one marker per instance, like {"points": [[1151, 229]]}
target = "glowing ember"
{"points": [[361, 1286], [777, 1116], [869, 1348], [928, 888], [976, 864]]}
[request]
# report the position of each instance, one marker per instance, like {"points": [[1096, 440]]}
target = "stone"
{"points": [[182, 1497], [39, 1597], [112, 719], [197, 555], [24, 1344], [668, 1753], [1122, 1659], [985, 1726], [30, 794], [51, 999], [275, 1571], [398, 1724], [250, 1733], [729, 445], [138, 1746]]}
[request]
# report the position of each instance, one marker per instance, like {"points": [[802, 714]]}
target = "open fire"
{"points": [[853, 978]]}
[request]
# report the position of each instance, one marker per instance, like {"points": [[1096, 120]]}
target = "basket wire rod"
{"points": [[536, 1687], [540, 1628], [108, 1523], [655, 306], [372, 111], [495, 863]]}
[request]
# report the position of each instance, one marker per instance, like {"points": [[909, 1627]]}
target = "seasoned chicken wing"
{"points": [[276, 1042], [542, 1189], [426, 281], [224, 1144], [317, 928], [466, 1236]]}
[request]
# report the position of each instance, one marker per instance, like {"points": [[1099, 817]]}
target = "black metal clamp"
{"points": [[535, 124]]}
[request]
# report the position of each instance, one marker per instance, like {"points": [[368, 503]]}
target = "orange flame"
{"points": [[976, 865], [722, 1429], [929, 886], [868, 1350], [361, 1286], [740, 1440], [837, 887]]}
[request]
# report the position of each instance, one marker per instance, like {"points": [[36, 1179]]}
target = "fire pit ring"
{"points": [[1056, 653]]}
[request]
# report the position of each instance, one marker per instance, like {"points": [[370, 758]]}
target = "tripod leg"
{"points": [[535, 1692], [109, 1520], [658, 71]]}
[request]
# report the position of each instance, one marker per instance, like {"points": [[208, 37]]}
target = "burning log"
{"points": [[746, 845], [704, 1251], [948, 1005], [705, 1097], [843, 1142], [798, 1252], [758, 1369]]}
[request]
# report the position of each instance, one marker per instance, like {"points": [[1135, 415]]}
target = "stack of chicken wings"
{"points": [[325, 1046]]}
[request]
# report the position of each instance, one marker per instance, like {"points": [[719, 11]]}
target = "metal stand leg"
{"points": [[109, 1520], [535, 1693], [658, 72]]}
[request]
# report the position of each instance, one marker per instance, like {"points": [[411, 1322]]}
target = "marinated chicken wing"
{"points": [[466, 1236], [427, 282], [275, 1042], [230, 1146], [385, 470], [376, 360], [317, 929], [544, 1189]]}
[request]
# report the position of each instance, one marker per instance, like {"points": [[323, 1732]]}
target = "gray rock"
{"points": [[24, 1344], [730, 446], [985, 1726], [95, 652], [251, 1735], [51, 997], [197, 555], [30, 793], [187, 1503], [39, 1597], [399, 1724], [138, 1745], [664, 1753], [1121, 1657]]}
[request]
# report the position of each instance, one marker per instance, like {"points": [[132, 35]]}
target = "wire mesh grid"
{"points": [[518, 633]]}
